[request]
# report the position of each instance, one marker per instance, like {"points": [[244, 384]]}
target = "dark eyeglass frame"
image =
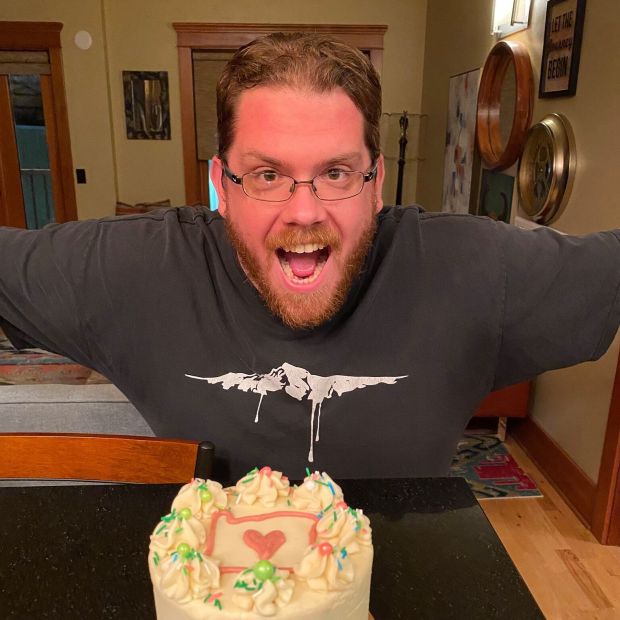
{"points": [[238, 180]]}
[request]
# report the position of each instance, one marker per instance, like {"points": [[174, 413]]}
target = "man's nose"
{"points": [[303, 207]]}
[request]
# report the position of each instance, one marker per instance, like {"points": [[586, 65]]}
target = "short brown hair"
{"points": [[301, 60]]}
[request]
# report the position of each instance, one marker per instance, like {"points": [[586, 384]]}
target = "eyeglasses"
{"points": [[271, 186]]}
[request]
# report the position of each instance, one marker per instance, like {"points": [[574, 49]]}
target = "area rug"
{"points": [[490, 470], [36, 366]]}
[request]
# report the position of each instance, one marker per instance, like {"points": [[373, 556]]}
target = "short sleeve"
{"points": [[561, 300]]}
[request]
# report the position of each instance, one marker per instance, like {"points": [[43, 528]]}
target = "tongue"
{"points": [[302, 265]]}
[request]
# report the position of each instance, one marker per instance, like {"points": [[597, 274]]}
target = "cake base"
{"points": [[306, 604]]}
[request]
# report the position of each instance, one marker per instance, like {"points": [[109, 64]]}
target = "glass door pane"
{"points": [[31, 138]]}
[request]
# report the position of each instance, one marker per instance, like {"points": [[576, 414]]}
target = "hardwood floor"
{"points": [[569, 573]]}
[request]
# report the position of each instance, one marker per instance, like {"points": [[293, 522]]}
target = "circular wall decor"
{"points": [[83, 39], [496, 152], [547, 169]]}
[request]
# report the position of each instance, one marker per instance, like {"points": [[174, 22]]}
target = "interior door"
{"points": [[36, 170], [29, 174]]}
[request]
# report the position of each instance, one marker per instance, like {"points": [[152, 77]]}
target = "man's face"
{"points": [[302, 254]]}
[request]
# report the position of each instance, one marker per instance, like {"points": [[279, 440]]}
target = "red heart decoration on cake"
{"points": [[264, 544]]}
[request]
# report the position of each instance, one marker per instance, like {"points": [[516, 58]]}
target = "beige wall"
{"points": [[87, 95], [570, 405], [138, 35]]}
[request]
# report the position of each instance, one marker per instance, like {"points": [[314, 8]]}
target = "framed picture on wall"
{"points": [[496, 189], [147, 111], [562, 48], [460, 141]]}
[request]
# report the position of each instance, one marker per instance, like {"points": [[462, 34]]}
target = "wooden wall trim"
{"points": [[40, 35], [10, 175], [606, 513], [69, 207], [565, 475], [232, 36], [188, 127]]}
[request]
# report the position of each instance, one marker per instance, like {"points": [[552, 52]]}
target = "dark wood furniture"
{"points": [[111, 458], [509, 402]]}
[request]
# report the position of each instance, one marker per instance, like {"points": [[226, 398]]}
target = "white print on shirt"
{"points": [[298, 383]]}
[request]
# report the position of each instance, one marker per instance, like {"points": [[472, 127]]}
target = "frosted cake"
{"points": [[260, 549]]}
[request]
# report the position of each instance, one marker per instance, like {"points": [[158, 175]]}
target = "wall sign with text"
{"points": [[560, 59]]}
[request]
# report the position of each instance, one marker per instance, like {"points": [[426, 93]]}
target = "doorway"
{"points": [[36, 170], [203, 51]]}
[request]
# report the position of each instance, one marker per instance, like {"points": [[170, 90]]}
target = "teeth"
{"points": [[303, 248], [293, 278]]}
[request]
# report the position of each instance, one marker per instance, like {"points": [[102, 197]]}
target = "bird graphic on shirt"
{"points": [[298, 383]]}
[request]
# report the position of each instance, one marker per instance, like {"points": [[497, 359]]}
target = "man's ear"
{"points": [[379, 184], [217, 177]]}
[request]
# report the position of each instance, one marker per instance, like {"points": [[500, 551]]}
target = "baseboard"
{"points": [[565, 475]]}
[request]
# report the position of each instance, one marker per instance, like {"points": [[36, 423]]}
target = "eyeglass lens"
{"points": [[277, 187]]}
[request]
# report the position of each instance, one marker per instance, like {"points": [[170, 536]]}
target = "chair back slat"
{"points": [[112, 458]]}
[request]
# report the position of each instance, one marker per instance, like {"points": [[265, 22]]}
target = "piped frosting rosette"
{"points": [[317, 492], [202, 497], [344, 527], [186, 574], [178, 527], [263, 588], [325, 568], [262, 485]]}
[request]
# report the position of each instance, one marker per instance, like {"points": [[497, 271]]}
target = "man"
{"points": [[305, 324]]}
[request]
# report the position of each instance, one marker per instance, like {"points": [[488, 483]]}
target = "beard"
{"points": [[304, 310]]}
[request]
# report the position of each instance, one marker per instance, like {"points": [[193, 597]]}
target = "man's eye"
{"points": [[336, 174], [267, 176]]}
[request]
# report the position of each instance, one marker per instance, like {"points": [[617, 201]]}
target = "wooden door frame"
{"points": [[10, 174], [606, 510], [46, 36], [229, 37]]}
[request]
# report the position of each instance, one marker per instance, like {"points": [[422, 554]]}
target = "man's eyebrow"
{"points": [[352, 157], [263, 158]]}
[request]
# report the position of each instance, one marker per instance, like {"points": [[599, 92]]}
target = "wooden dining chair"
{"points": [[109, 458]]}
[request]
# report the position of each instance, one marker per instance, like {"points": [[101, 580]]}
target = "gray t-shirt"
{"points": [[448, 307]]}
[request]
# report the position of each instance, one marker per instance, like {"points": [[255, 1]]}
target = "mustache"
{"points": [[319, 234]]}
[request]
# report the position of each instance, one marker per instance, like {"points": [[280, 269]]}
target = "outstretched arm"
{"points": [[561, 300]]}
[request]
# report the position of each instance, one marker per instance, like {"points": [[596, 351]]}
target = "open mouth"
{"points": [[303, 263]]}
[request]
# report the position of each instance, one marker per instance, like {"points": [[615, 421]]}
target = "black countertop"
{"points": [[81, 552]]}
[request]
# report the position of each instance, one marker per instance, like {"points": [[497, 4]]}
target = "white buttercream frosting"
{"points": [[264, 597], [262, 485], [187, 577], [175, 529], [344, 527], [195, 496], [326, 571], [316, 493]]}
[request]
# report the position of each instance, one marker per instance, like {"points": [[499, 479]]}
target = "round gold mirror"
{"points": [[547, 169], [505, 102]]}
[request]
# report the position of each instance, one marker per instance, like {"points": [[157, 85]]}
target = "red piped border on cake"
{"points": [[252, 519]]}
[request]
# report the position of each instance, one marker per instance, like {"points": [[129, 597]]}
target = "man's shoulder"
{"points": [[435, 222], [190, 215]]}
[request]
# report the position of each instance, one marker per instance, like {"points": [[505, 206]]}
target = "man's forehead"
{"points": [[273, 124]]}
